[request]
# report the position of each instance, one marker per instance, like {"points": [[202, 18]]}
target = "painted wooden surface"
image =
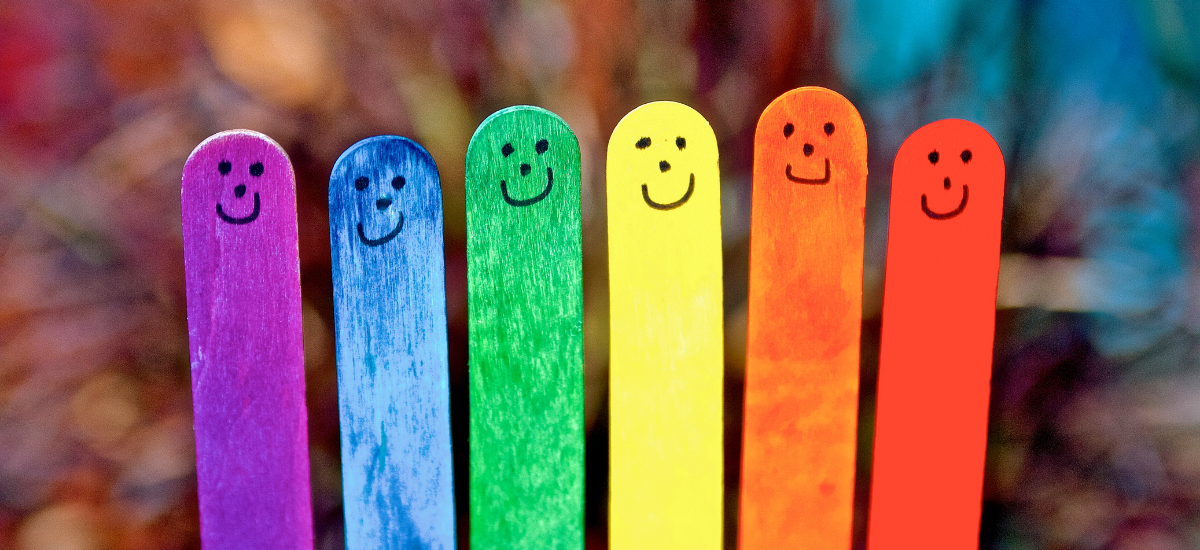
{"points": [[525, 303], [389, 297], [667, 366], [939, 306], [244, 329], [804, 319]]}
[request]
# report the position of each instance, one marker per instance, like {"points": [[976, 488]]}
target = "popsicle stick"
{"points": [[525, 308], [939, 306], [804, 318], [242, 265], [664, 268], [389, 298]]}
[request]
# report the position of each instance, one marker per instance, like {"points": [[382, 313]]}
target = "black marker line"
{"points": [[239, 221], [961, 206], [673, 205], [808, 181], [381, 240], [526, 202]]}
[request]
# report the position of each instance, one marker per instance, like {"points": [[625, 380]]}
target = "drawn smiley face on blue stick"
{"points": [[389, 304], [380, 184]]}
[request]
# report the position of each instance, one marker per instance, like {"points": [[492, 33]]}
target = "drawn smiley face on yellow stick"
{"points": [[664, 249]]}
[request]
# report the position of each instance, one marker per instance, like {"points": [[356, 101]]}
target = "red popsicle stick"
{"points": [[939, 307], [805, 313], [243, 304]]}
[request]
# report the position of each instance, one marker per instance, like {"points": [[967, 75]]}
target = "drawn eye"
{"points": [[966, 156], [933, 157], [788, 129], [224, 167], [680, 142], [398, 182], [507, 149], [542, 146], [829, 128], [256, 169], [642, 143], [361, 183]]}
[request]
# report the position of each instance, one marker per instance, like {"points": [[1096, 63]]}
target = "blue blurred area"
{"points": [[1094, 133]]}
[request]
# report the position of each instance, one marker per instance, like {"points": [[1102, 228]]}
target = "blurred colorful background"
{"points": [[1094, 437]]}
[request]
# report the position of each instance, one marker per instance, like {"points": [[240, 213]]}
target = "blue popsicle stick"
{"points": [[385, 230]]}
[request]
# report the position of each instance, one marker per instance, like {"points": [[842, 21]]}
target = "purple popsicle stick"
{"points": [[241, 257]]}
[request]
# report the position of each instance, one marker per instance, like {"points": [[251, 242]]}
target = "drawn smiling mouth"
{"points": [[239, 221], [940, 216], [821, 181], [381, 240], [669, 206], [526, 202]]}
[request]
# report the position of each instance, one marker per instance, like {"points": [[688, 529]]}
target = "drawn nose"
{"points": [[663, 166], [525, 169], [239, 191], [382, 204], [808, 149], [946, 183]]}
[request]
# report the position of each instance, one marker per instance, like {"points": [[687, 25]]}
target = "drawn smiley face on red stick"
{"points": [[948, 170], [938, 322]]}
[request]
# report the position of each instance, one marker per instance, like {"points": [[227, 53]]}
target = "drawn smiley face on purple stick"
{"points": [[241, 175], [239, 191]]}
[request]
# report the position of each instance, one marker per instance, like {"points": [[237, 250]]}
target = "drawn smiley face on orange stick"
{"points": [[806, 251], [939, 311]]}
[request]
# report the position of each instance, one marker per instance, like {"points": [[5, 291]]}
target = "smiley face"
{"points": [[788, 129], [239, 191], [540, 147], [806, 223], [241, 176], [664, 166], [934, 157], [519, 157], [375, 183], [666, 150], [363, 184], [813, 136], [944, 166]]}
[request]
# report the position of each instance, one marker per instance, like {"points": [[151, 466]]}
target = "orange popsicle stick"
{"points": [[805, 313], [939, 307]]}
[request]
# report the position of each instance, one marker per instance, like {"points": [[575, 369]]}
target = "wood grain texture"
{"points": [[939, 307], [241, 257], [389, 297], [667, 365], [804, 320], [525, 303]]}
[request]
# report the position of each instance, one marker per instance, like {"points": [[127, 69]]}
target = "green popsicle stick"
{"points": [[525, 305]]}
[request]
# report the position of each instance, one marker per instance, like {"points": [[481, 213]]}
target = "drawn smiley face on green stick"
{"points": [[517, 154], [525, 337]]}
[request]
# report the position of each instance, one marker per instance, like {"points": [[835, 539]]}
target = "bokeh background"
{"points": [[1094, 436]]}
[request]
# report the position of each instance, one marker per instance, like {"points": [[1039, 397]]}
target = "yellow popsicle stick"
{"points": [[664, 255]]}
